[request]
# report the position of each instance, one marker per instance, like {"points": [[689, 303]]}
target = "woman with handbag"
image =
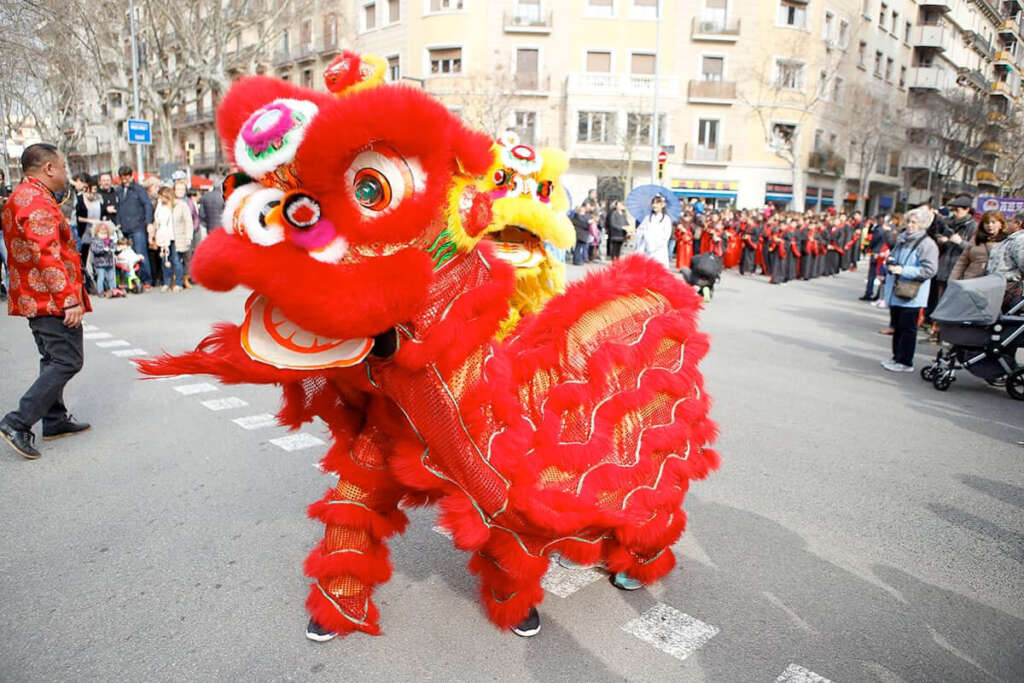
{"points": [[911, 265]]}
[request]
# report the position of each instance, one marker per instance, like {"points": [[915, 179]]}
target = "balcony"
{"points": [[959, 187], [194, 118], [918, 158], [1005, 59], [987, 177], [930, 78], [944, 5], [1003, 89], [934, 37], [526, 83], [972, 77], [1010, 28], [979, 43], [716, 30], [524, 20], [699, 155], [606, 84], [826, 161], [992, 147], [711, 92], [329, 47], [997, 118]]}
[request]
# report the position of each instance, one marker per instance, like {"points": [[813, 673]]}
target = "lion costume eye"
{"points": [[380, 180], [501, 177]]}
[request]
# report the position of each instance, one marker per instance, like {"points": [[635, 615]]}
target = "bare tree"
{"points": [[486, 99], [878, 125], [783, 96], [950, 132]]}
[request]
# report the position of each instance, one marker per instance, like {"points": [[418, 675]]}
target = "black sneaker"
{"points": [[530, 626], [65, 428], [318, 633], [21, 441]]}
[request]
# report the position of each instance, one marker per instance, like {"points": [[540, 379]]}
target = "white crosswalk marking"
{"points": [[89, 328], [112, 343], [225, 403], [798, 674], [563, 581], [189, 389], [128, 353], [441, 530], [295, 442], [97, 335], [164, 379], [671, 631], [256, 421]]}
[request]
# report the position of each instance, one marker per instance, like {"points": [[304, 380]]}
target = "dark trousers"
{"points": [[579, 254], [872, 274], [61, 357], [934, 294], [904, 336], [140, 244], [614, 249]]}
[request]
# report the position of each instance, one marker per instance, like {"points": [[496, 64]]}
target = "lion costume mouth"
{"points": [[268, 336], [518, 247]]}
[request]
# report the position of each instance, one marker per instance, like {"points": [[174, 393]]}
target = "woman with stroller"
{"points": [[910, 267], [1007, 259], [974, 258]]}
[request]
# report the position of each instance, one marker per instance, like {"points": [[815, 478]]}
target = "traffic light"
{"points": [[190, 153]]}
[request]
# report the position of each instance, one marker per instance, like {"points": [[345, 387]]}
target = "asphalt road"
{"points": [[863, 526]]}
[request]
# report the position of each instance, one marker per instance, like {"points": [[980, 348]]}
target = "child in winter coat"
{"points": [[102, 248]]}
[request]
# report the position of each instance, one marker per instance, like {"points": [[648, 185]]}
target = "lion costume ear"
{"points": [[233, 182], [473, 151]]}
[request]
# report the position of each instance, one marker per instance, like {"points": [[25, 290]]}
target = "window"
{"points": [[644, 9], [707, 138], [599, 62], [792, 13], [895, 22], [528, 12], [837, 89], [525, 126], [789, 75], [638, 128], [369, 16], [527, 64], [862, 54], [844, 34], [823, 84], [306, 34], [600, 8], [819, 140], [445, 5], [882, 162], [894, 162], [783, 135], [878, 63], [715, 13], [330, 30], [712, 68], [307, 78], [903, 76], [394, 11], [830, 24], [285, 46], [888, 69], [881, 16], [641, 63], [595, 126], [394, 68], [906, 32], [446, 60]]}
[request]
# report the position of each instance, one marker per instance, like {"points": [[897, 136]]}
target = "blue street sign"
{"points": [[140, 132]]}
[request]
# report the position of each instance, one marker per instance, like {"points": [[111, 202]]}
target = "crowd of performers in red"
{"points": [[783, 246]]}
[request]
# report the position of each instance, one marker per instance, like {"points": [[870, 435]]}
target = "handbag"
{"points": [[907, 289]]}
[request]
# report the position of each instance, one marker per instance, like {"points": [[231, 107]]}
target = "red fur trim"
{"points": [[460, 516], [326, 614], [378, 525], [370, 567]]}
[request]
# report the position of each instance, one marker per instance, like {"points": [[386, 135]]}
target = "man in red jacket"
{"points": [[46, 287]]}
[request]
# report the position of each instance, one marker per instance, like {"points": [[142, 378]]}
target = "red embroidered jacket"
{"points": [[45, 269]]}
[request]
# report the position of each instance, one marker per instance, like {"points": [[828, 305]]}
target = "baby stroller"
{"points": [[128, 280], [975, 336], [704, 271]]}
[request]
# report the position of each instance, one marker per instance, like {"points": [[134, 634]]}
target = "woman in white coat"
{"points": [[654, 232]]}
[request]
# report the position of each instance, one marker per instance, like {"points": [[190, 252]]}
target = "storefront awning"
{"points": [[705, 193]]}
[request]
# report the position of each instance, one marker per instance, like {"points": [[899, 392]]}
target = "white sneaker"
{"points": [[893, 366]]}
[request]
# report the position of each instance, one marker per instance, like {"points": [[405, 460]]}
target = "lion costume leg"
{"points": [[509, 578], [359, 514]]}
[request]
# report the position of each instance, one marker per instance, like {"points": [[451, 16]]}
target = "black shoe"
{"points": [[318, 633], [530, 626], [865, 298], [21, 441], [65, 428]]}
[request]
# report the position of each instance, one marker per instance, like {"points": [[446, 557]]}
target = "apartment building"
{"points": [[766, 101]]}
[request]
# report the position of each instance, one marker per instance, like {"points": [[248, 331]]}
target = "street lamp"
{"points": [[655, 142]]}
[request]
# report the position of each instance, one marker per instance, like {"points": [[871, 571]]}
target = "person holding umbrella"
{"points": [[654, 232]]}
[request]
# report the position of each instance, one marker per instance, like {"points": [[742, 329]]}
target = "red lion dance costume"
{"points": [[376, 307]]}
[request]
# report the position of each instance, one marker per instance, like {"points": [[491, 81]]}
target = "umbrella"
{"points": [[199, 182], [639, 201]]}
